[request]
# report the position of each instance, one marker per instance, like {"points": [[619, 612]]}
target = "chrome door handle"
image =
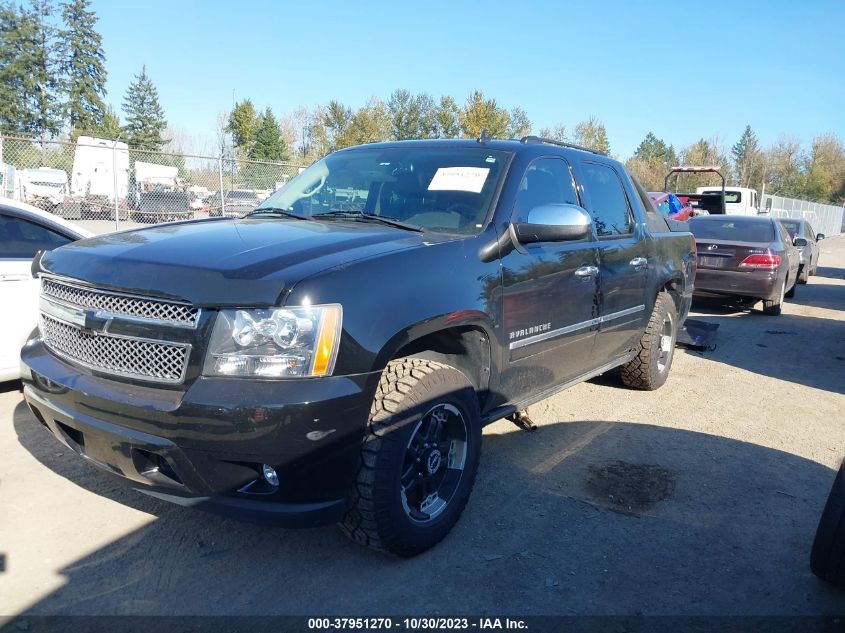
{"points": [[587, 271], [639, 262]]}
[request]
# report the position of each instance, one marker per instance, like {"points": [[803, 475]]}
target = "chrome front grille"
{"points": [[124, 356], [119, 304]]}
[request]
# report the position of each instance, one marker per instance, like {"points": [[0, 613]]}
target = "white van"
{"points": [[738, 200]]}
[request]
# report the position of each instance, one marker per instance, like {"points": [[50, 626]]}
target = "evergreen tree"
{"points": [[655, 149], [83, 67], [45, 71], [747, 159], [268, 144], [28, 103], [109, 126], [144, 116]]}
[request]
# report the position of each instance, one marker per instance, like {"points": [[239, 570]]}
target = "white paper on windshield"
{"points": [[459, 179]]}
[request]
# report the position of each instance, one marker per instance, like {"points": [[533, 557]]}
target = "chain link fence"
{"points": [[824, 218], [105, 185]]}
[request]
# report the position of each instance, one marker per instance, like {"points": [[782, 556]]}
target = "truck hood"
{"points": [[248, 262]]}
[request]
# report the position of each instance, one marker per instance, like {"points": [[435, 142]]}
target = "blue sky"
{"points": [[683, 70]]}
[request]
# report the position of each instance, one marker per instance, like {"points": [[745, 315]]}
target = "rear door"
{"points": [[549, 292], [623, 261]]}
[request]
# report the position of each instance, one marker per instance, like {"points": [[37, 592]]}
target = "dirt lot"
{"points": [[701, 498]]}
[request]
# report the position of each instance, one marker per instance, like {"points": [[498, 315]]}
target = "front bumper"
{"points": [[204, 445], [757, 284]]}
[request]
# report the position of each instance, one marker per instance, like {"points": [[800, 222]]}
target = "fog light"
{"points": [[270, 475]]}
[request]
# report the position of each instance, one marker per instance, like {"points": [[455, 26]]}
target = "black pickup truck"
{"points": [[335, 355]]}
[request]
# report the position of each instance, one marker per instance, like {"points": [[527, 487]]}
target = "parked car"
{"points": [[314, 363], [807, 242], [746, 258], [24, 230], [670, 206], [238, 203]]}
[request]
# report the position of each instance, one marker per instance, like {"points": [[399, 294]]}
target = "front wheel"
{"points": [[649, 369], [418, 460], [804, 275]]}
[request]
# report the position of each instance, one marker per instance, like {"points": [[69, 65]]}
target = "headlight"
{"points": [[275, 342]]}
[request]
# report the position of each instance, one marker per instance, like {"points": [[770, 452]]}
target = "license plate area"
{"points": [[712, 261]]}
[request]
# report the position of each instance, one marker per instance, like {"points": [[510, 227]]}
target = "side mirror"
{"points": [[554, 223], [820, 236], [799, 242]]}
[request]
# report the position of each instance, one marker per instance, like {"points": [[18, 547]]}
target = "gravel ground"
{"points": [[700, 498]]}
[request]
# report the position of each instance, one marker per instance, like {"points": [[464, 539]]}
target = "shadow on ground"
{"points": [[584, 517]]}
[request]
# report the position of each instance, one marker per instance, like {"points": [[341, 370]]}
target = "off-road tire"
{"points": [[644, 371], [827, 558], [375, 516], [804, 275], [773, 307]]}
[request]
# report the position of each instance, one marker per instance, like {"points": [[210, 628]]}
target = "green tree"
{"points": [[243, 121], [83, 67], [369, 124], [335, 118], [145, 120], [412, 116], [17, 54], [653, 148], [28, 72], [825, 169], [45, 71], [555, 133], [448, 118], [703, 152], [784, 163], [592, 134], [519, 124], [480, 113], [268, 144], [651, 161], [747, 160], [109, 126]]}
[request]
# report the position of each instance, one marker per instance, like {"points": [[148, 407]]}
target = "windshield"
{"points": [[732, 230], [731, 197], [441, 189]]}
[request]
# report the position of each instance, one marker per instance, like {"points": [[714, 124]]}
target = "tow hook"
{"points": [[521, 419]]}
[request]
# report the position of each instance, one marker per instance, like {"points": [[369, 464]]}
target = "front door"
{"points": [[549, 293], [623, 262]]}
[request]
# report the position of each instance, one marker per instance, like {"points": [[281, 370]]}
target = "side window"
{"points": [[20, 239], [609, 204], [546, 181]]}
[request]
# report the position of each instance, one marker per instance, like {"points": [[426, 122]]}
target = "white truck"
{"points": [[43, 187], [738, 200], [161, 195], [100, 177]]}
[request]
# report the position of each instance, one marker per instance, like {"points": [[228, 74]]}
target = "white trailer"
{"points": [[43, 187], [100, 169]]}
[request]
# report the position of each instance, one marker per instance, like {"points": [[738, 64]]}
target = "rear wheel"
{"points": [[791, 292], [649, 369], [773, 307], [419, 458], [827, 558], [804, 275]]}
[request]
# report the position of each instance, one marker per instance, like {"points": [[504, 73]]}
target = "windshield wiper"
{"points": [[275, 211], [370, 217]]}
